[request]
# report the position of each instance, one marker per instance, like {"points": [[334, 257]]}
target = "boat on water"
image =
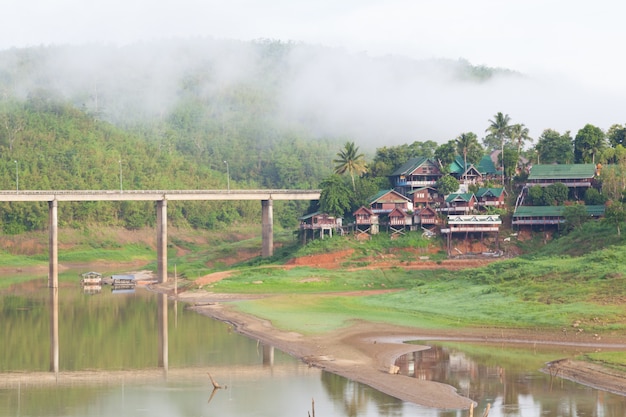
{"points": [[91, 278]]}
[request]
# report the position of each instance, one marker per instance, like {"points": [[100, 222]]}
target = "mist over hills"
{"points": [[324, 91]]}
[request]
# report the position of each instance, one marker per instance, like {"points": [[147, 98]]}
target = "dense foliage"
{"points": [[204, 114]]}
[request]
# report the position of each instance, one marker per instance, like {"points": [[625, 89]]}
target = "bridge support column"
{"points": [[267, 234], [53, 262], [53, 283], [163, 335], [54, 329], [162, 241]]}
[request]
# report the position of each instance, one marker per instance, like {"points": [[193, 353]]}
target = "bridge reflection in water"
{"points": [[163, 351], [53, 197]]}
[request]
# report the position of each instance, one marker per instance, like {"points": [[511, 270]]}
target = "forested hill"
{"points": [[174, 111]]}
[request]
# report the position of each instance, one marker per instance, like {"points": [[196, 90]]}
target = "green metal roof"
{"points": [[552, 211], [456, 167], [308, 216], [411, 165], [383, 192], [562, 171], [462, 196], [486, 166], [496, 192]]}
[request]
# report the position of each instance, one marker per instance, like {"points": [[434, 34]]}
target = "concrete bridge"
{"points": [[161, 197]]}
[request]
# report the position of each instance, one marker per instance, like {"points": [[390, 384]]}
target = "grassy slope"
{"points": [[552, 288], [576, 280]]}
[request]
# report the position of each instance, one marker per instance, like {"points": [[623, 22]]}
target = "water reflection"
{"points": [[509, 379], [139, 353]]}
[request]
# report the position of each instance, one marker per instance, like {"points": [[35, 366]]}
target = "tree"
{"points": [[613, 179], [350, 161], [555, 194], [464, 144], [536, 195], [615, 214], [445, 155], [335, 197], [499, 129], [509, 159], [447, 184], [593, 197], [589, 142], [616, 135], [519, 135], [575, 216], [554, 148]]}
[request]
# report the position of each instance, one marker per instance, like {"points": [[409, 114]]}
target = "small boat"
{"points": [[123, 280], [91, 278]]}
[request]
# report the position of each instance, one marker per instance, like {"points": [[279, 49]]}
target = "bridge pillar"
{"points": [[54, 329], [53, 261], [163, 335], [162, 241], [267, 233]]}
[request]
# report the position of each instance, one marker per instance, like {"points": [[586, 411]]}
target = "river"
{"points": [[135, 353]]}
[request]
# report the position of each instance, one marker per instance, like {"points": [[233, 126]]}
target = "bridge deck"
{"points": [[157, 195]]}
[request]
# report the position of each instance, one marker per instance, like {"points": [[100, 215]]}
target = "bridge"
{"points": [[161, 197]]}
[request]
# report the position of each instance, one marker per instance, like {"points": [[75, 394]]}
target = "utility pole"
{"points": [[227, 176], [120, 162], [17, 176]]}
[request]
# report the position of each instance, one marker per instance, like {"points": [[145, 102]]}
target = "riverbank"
{"points": [[365, 351]]}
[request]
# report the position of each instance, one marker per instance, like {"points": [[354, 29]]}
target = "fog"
{"points": [[373, 100]]}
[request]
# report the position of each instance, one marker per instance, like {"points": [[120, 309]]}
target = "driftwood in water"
{"points": [[215, 384]]}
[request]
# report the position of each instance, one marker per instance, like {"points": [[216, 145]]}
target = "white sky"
{"points": [[570, 41]]}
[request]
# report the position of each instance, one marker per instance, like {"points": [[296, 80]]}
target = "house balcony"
{"points": [[532, 222], [366, 221], [470, 229], [319, 226], [569, 183], [420, 183], [455, 210]]}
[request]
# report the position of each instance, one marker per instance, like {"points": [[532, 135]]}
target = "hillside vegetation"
{"points": [[192, 114]]}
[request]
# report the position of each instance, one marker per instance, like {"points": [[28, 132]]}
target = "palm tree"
{"points": [[350, 161], [519, 134], [499, 129], [464, 143]]}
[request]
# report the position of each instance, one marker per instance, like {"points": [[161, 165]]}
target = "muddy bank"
{"points": [[365, 351]]}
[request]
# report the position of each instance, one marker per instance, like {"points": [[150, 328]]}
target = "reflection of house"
{"points": [[547, 215], [386, 201], [459, 203], [472, 224], [491, 197], [415, 173], [320, 224], [365, 222]]}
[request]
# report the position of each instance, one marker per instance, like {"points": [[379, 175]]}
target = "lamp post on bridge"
{"points": [[17, 176], [227, 176], [120, 162]]}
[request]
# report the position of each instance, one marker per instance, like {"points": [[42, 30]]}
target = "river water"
{"points": [[135, 353]]}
